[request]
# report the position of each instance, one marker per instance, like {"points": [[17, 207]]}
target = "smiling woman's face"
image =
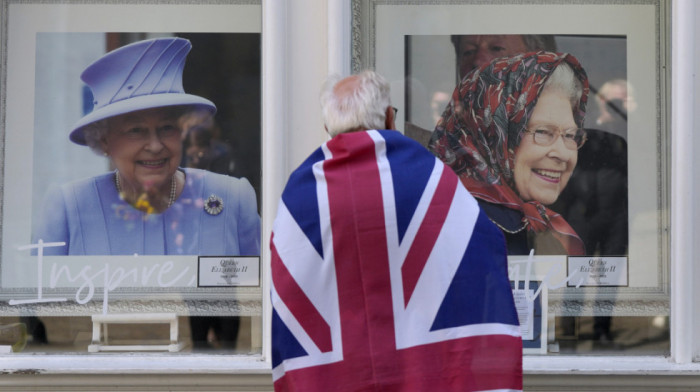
{"points": [[542, 172], [146, 147]]}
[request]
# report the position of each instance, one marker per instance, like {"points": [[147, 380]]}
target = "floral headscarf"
{"points": [[484, 123]]}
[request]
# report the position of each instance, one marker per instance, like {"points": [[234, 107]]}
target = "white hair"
{"points": [[363, 107], [563, 79], [96, 132]]}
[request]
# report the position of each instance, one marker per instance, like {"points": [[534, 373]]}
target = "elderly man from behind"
{"points": [[385, 273]]}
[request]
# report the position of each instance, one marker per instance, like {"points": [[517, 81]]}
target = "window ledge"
{"points": [[603, 365], [596, 373], [129, 363], [159, 372]]}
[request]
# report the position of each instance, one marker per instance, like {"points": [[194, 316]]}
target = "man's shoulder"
{"points": [[405, 148], [394, 141], [401, 153], [392, 137], [406, 140]]}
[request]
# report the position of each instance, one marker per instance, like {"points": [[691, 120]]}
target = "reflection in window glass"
{"points": [[478, 103], [49, 334], [166, 215], [613, 335]]}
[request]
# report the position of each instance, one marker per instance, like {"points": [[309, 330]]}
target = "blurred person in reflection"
{"points": [[473, 51], [595, 203], [615, 100], [204, 150], [148, 205], [512, 132], [439, 100], [203, 147]]}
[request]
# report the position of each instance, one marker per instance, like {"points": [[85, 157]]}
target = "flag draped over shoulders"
{"points": [[387, 276]]}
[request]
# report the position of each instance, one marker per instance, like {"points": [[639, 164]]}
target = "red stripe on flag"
{"points": [[427, 233], [360, 250], [299, 304], [482, 363]]}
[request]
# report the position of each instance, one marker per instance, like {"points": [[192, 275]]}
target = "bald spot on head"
{"points": [[346, 87], [355, 103]]}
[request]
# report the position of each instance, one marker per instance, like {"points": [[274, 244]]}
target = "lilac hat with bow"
{"points": [[142, 75]]}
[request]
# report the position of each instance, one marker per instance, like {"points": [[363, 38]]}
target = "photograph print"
{"points": [[147, 144], [536, 128]]}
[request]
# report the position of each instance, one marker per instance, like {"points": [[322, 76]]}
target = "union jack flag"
{"points": [[386, 276]]}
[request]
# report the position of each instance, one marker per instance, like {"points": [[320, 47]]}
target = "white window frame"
{"points": [[285, 143], [187, 371], [685, 301]]}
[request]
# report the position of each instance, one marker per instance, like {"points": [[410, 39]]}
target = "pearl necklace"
{"points": [[173, 187]]}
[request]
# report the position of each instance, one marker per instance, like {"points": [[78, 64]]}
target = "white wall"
{"points": [[685, 307], [307, 67], [695, 236]]}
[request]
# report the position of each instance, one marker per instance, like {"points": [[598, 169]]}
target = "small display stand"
{"points": [[100, 337]]}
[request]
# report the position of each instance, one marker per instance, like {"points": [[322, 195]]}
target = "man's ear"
{"points": [[390, 121]]}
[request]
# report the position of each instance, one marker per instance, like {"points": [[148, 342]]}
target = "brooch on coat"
{"points": [[214, 205]]}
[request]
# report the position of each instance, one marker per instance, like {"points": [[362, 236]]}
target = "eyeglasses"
{"points": [[574, 138], [396, 110]]}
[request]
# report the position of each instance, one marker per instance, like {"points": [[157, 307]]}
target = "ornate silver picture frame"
{"points": [[384, 39], [36, 41]]}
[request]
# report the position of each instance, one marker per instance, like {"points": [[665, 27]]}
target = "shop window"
{"points": [[589, 260], [93, 258]]}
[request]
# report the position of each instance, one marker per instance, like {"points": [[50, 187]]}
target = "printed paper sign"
{"points": [[222, 271], [598, 271], [526, 312]]}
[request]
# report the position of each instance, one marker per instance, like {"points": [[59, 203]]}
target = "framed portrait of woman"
{"points": [[587, 213], [163, 103]]}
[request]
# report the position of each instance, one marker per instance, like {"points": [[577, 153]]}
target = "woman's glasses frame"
{"points": [[574, 138]]}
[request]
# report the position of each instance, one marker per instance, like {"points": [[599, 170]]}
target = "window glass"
{"points": [[132, 183], [584, 233]]}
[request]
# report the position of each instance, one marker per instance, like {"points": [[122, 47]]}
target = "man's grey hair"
{"points": [[364, 107]]}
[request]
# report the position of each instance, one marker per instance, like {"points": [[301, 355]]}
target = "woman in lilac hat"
{"points": [[148, 205]]}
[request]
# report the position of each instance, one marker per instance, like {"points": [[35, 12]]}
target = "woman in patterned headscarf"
{"points": [[501, 134]]}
